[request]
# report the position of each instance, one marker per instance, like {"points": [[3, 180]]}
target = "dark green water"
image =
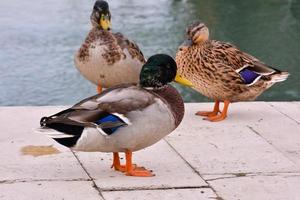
{"points": [[38, 40]]}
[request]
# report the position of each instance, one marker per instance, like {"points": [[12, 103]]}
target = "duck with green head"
{"points": [[124, 118], [221, 71], [106, 58]]}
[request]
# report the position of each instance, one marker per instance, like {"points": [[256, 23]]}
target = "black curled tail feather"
{"points": [[70, 131], [43, 121]]}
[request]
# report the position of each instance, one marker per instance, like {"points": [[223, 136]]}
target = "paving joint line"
{"points": [[209, 186], [88, 174], [155, 188], [41, 180], [275, 108], [270, 143], [254, 173]]}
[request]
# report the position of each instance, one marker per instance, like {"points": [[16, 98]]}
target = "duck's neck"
{"points": [[203, 43], [172, 97]]}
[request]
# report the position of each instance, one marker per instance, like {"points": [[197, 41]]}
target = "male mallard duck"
{"points": [[221, 71], [124, 118], [105, 58]]}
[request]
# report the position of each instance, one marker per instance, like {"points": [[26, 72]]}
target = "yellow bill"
{"points": [[105, 22], [183, 81]]}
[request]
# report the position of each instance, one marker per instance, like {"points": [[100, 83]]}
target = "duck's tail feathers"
{"points": [[279, 76], [68, 140], [52, 133], [62, 130]]}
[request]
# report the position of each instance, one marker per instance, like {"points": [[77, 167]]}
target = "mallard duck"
{"points": [[105, 58], [124, 118], [221, 71]]}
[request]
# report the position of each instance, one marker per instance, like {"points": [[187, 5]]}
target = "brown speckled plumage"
{"points": [[115, 44], [132, 47], [106, 58], [213, 67], [98, 36]]}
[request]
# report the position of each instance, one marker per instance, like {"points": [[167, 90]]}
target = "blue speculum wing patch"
{"points": [[110, 119], [248, 75]]}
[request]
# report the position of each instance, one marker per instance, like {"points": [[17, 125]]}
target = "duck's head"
{"points": [[196, 33], [100, 16], [159, 70]]}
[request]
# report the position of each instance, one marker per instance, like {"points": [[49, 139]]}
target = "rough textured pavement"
{"points": [[254, 154]]}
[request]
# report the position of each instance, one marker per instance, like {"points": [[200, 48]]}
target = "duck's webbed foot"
{"points": [[222, 116], [135, 171], [210, 113]]}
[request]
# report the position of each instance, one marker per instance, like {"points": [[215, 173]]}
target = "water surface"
{"points": [[38, 40]]}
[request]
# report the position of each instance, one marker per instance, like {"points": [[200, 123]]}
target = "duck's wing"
{"points": [[249, 68], [107, 112], [132, 47]]}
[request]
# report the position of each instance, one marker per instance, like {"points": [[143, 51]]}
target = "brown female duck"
{"points": [[221, 71], [105, 58]]}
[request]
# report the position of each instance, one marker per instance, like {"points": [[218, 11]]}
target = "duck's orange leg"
{"points": [[99, 88], [210, 113], [223, 114], [116, 163], [135, 171]]}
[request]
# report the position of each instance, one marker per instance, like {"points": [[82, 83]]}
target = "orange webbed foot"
{"points": [[140, 172], [207, 113], [122, 168], [222, 116], [129, 168], [135, 171], [210, 113], [215, 118]]}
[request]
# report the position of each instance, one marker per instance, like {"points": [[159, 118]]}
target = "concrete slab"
{"points": [[229, 147], [286, 134], [229, 151], [254, 154], [259, 187], [291, 109], [15, 166], [170, 170], [240, 113], [18, 126], [76, 190], [178, 194], [285, 137]]}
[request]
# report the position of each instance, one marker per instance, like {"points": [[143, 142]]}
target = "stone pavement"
{"points": [[253, 155]]}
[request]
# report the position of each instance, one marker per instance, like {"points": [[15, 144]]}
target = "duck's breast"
{"points": [[108, 65]]}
